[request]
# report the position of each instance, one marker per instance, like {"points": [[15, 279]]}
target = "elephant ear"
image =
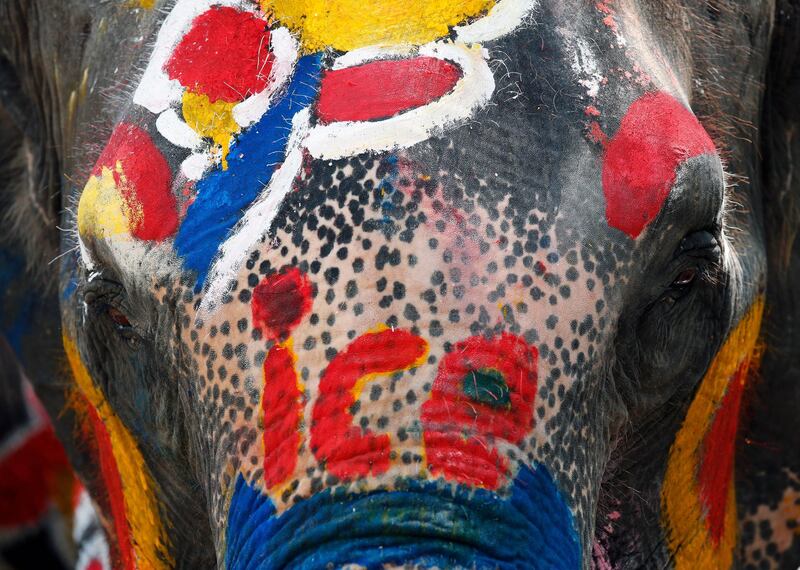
{"points": [[768, 461]]}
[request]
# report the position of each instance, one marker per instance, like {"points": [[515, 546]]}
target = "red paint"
{"points": [[144, 183], [281, 404], [596, 134], [94, 564], [348, 451], [225, 55], [381, 89], [655, 136], [281, 301], [716, 469], [113, 486], [460, 433], [28, 478], [591, 111]]}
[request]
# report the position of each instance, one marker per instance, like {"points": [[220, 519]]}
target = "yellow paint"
{"points": [[148, 537], [102, 212], [689, 539], [350, 24], [213, 120]]}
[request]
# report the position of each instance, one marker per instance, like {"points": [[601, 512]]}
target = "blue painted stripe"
{"points": [[224, 195], [424, 523]]}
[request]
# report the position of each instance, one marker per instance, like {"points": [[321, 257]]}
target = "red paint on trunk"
{"points": [[225, 55], [281, 404], [113, 486], [280, 302], [144, 182], [381, 89], [655, 136], [461, 433], [28, 476], [715, 474], [348, 451]]}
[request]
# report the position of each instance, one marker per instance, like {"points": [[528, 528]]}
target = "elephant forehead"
{"points": [[381, 311]]}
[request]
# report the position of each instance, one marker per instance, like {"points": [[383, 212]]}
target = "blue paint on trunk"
{"points": [[423, 523], [224, 195]]}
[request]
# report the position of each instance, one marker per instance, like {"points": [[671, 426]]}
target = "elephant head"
{"points": [[473, 284]]}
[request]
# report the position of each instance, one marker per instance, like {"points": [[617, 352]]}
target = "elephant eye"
{"points": [[117, 316], [685, 278]]}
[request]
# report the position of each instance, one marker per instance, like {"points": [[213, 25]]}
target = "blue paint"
{"points": [[19, 300], [224, 195], [422, 523]]}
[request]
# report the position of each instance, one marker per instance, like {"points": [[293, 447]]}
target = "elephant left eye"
{"points": [[685, 278], [118, 317]]}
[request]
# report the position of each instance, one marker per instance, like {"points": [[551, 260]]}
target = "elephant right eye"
{"points": [[106, 301]]}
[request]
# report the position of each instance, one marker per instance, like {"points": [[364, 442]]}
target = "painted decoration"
{"points": [[531, 522], [248, 125], [483, 394], [141, 538], [698, 496], [655, 136]]}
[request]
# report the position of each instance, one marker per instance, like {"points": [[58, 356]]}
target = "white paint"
{"points": [[373, 53], [86, 257], [502, 19], [93, 547], [257, 220], [195, 165], [584, 65], [156, 91], [472, 91], [285, 51], [176, 131]]}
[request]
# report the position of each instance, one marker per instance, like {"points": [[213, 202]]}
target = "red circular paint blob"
{"points": [[225, 55], [655, 136], [280, 302], [94, 564], [146, 185]]}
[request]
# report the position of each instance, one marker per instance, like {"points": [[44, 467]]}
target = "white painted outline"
{"points": [[472, 91], [156, 91], [504, 18], [285, 52], [349, 138], [258, 218], [176, 131]]}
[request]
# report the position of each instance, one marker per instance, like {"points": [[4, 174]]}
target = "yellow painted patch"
{"points": [[149, 540], [351, 24], [102, 212], [689, 539], [211, 120]]}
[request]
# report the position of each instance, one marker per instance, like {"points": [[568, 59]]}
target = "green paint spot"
{"points": [[487, 386]]}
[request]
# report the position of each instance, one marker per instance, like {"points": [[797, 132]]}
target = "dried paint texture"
{"points": [[655, 136], [129, 190], [381, 89], [213, 120], [140, 532], [698, 496], [482, 397], [225, 55], [348, 451], [349, 24]]}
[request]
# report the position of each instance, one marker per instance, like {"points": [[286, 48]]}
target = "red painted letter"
{"points": [[347, 450], [483, 394]]}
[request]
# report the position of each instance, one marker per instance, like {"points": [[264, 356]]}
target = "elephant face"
{"points": [[431, 285]]}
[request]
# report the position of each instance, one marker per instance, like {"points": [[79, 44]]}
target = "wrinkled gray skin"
{"points": [[605, 417]]}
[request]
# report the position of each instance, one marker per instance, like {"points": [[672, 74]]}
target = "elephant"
{"points": [[445, 284]]}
